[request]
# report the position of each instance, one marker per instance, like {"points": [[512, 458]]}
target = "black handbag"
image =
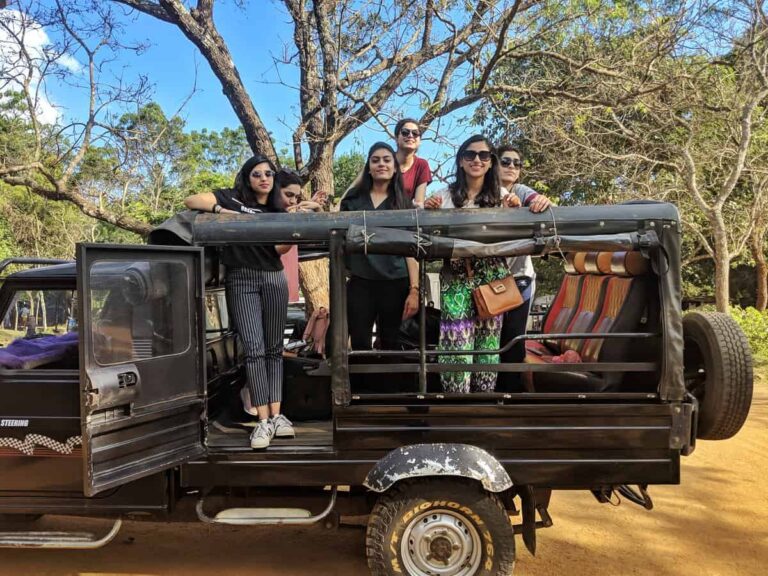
{"points": [[408, 336]]}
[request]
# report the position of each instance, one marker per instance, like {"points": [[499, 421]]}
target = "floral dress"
{"points": [[460, 328]]}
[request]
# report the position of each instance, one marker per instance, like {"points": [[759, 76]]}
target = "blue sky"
{"points": [[254, 37]]}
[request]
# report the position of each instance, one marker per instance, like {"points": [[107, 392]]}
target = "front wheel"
{"points": [[440, 527]]}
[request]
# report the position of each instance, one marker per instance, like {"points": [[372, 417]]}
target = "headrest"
{"points": [[568, 264], [613, 263], [585, 263], [629, 264]]}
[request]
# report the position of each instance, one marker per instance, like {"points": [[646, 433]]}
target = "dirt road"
{"points": [[714, 524]]}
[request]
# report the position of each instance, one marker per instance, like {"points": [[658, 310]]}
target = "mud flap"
{"points": [[531, 501]]}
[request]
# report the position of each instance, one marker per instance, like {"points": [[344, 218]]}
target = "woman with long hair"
{"points": [[382, 289], [416, 173], [521, 267], [257, 294], [476, 185]]}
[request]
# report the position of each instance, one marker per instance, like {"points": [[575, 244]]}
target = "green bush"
{"points": [[754, 324]]}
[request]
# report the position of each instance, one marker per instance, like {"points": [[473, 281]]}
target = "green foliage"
{"points": [[7, 245], [346, 167], [754, 323], [755, 326]]}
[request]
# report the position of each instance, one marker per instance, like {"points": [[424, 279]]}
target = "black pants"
{"points": [[379, 301], [514, 324]]}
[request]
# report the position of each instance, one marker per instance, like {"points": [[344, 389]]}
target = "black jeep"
{"points": [[120, 382]]}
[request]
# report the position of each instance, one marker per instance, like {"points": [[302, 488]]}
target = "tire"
{"points": [[439, 526], [718, 372]]}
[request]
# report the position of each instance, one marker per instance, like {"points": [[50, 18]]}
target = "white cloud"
{"points": [[18, 29]]}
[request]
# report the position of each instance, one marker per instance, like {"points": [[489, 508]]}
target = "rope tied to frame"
{"points": [[366, 237], [421, 242], [556, 238]]}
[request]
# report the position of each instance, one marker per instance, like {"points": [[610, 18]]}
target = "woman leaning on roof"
{"points": [[521, 267], [257, 293]]}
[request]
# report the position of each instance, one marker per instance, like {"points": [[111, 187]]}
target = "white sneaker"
{"points": [[262, 435], [283, 427]]}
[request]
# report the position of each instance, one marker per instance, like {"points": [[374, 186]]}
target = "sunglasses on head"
{"points": [[405, 133], [506, 161], [266, 174], [470, 155]]}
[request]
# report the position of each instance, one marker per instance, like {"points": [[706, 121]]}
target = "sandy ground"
{"points": [[714, 524]]}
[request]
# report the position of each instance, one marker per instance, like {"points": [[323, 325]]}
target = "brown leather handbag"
{"points": [[495, 297]]}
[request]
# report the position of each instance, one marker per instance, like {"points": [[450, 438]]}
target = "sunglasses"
{"points": [[266, 174], [405, 133], [470, 155], [506, 161]]}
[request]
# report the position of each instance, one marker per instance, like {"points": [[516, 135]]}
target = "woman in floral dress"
{"points": [[477, 185]]}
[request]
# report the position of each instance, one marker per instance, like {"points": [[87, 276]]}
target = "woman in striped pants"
{"points": [[257, 294]]}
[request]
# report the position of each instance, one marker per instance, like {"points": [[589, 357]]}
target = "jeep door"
{"points": [[141, 360]]}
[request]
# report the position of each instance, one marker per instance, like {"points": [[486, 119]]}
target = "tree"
{"points": [[47, 157], [660, 117], [354, 58]]}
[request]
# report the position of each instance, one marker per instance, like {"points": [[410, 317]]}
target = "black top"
{"points": [[257, 257], [373, 266]]}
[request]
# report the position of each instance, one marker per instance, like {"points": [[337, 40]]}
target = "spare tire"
{"points": [[718, 372]]}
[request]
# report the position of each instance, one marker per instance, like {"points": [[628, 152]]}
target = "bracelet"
{"points": [[414, 288], [216, 209]]}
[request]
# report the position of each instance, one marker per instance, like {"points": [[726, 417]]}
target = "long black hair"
{"points": [[490, 193], [395, 188], [243, 191]]}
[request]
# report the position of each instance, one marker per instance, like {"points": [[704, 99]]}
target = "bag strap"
{"points": [[470, 270], [310, 325]]}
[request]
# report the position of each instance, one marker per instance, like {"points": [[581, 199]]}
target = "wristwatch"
{"points": [[216, 209]]}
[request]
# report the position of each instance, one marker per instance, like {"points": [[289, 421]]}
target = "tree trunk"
{"points": [[722, 265], [761, 269], [314, 275], [43, 311]]}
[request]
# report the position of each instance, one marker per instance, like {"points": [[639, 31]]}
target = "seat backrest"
{"points": [[592, 296], [564, 305], [625, 305]]}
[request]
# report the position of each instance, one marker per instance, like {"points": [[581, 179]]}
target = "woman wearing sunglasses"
{"points": [[416, 173], [521, 267], [289, 183], [257, 294], [382, 289], [477, 185]]}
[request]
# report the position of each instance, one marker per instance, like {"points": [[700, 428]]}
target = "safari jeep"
{"points": [[121, 377]]}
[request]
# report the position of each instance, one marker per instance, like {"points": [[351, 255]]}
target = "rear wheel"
{"points": [[718, 372], [440, 527]]}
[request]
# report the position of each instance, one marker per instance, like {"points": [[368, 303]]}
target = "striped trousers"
{"points": [[258, 303]]}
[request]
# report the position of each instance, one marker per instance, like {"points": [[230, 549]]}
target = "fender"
{"points": [[418, 460]]}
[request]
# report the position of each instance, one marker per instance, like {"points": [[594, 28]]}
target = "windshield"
{"points": [[34, 313]]}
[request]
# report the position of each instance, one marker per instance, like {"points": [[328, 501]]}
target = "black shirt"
{"points": [[257, 257], [373, 266]]}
